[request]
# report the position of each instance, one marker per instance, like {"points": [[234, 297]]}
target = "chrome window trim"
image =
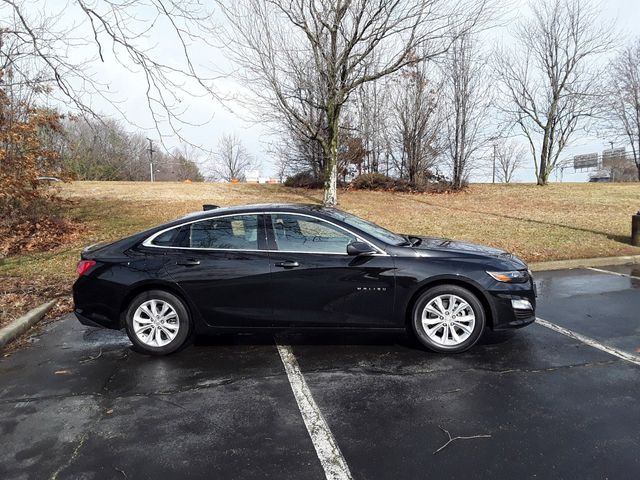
{"points": [[149, 240]]}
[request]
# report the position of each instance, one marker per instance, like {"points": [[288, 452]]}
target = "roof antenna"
{"points": [[209, 206]]}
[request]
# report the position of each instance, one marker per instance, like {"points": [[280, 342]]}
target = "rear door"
{"points": [[314, 281], [221, 265]]}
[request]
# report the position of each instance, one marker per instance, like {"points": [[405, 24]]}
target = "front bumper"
{"points": [[505, 316]]}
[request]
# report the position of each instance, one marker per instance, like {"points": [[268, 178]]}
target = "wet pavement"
{"points": [[79, 403]]}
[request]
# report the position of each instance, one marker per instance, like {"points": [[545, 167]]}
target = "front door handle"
{"points": [[288, 264], [189, 262]]}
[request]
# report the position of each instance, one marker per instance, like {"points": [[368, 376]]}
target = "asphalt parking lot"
{"points": [[559, 400]]}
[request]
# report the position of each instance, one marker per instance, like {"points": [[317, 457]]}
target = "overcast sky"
{"points": [[128, 88]]}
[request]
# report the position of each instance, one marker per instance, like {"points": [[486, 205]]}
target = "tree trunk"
{"points": [[331, 167], [541, 174]]}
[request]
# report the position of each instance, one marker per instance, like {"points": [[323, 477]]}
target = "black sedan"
{"points": [[297, 267]]}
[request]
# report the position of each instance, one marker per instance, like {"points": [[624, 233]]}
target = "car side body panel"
{"points": [[245, 290], [332, 290]]}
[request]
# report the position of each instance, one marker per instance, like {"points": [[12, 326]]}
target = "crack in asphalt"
{"points": [[108, 395], [388, 372], [99, 417], [72, 457]]}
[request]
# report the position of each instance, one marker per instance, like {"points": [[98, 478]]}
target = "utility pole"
{"points": [[151, 150]]}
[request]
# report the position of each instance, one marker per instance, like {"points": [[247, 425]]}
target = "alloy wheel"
{"points": [[448, 320], [156, 323]]}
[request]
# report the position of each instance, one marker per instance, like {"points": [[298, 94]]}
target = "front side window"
{"points": [[295, 233], [238, 232]]}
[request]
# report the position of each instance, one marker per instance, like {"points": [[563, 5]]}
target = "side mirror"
{"points": [[359, 248]]}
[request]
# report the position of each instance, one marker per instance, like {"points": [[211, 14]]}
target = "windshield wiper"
{"points": [[414, 241], [410, 241]]}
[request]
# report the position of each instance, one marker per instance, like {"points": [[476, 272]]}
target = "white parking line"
{"points": [[613, 273], [589, 341], [334, 465]]}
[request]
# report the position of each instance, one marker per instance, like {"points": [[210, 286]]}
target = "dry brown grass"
{"points": [[560, 221]]}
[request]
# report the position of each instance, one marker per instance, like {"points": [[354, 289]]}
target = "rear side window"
{"points": [[239, 232], [234, 233]]}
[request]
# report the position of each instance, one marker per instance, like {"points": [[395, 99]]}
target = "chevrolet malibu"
{"points": [[295, 266]]}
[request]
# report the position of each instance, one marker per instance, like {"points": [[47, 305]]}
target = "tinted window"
{"points": [[294, 233], [372, 229], [239, 232], [167, 239]]}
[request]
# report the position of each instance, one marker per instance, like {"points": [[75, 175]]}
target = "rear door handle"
{"points": [[288, 264], [189, 262]]}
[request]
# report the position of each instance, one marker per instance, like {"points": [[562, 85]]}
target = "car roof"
{"points": [[300, 207]]}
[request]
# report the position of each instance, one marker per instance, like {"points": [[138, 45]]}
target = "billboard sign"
{"points": [[613, 156], [588, 160]]}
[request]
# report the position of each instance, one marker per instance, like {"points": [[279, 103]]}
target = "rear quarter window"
{"points": [[176, 237], [166, 239]]}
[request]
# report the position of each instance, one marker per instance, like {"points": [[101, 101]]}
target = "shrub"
{"points": [[379, 181], [304, 179]]}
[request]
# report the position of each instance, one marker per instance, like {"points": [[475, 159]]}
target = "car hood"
{"points": [[447, 245]]}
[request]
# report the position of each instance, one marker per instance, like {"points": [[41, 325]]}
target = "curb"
{"points": [[22, 324], [583, 262]]}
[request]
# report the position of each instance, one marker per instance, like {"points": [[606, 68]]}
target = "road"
{"points": [[559, 402]]}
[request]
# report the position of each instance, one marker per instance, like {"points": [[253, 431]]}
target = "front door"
{"points": [[314, 281]]}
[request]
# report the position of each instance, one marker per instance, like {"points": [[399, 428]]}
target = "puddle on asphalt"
{"points": [[102, 337], [567, 284]]}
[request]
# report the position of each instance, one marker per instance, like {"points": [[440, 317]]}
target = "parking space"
{"points": [[81, 404], [602, 303]]}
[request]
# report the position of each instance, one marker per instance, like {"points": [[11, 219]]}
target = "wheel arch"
{"points": [[463, 282], [154, 285]]}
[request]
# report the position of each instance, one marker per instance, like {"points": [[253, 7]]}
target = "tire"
{"points": [[166, 332], [441, 329]]}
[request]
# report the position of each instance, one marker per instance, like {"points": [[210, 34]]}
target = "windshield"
{"points": [[372, 229]]}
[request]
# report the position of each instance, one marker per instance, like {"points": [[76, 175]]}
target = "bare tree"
{"points": [[346, 42], [467, 100], [623, 112], [417, 121], [102, 149], [549, 79], [232, 160], [509, 157], [372, 110], [299, 148], [65, 51], [180, 165]]}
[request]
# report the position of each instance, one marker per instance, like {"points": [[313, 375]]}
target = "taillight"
{"points": [[83, 266]]}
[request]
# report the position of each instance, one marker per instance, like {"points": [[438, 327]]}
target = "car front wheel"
{"points": [[448, 318], [158, 323]]}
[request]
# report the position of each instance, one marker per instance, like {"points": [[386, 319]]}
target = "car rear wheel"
{"points": [[158, 323], [448, 318]]}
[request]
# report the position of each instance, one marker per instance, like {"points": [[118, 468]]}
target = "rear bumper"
{"points": [[95, 320]]}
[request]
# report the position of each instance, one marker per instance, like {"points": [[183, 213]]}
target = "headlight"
{"points": [[516, 276]]}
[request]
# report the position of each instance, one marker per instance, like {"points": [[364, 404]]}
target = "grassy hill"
{"points": [[560, 221], [538, 223]]}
